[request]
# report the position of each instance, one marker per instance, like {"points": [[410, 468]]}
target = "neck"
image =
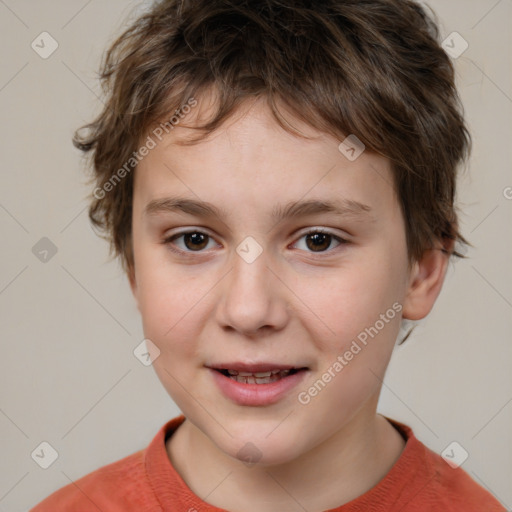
{"points": [[338, 470]]}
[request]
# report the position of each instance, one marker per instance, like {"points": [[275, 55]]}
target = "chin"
{"points": [[259, 450]]}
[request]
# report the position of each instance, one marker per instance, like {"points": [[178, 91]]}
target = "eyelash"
{"points": [[170, 239]]}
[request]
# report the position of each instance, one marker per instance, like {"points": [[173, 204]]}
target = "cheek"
{"points": [[349, 300], [170, 303], [362, 305]]}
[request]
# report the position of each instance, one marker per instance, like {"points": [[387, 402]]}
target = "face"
{"points": [[258, 252]]}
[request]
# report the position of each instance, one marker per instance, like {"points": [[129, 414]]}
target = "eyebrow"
{"points": [[340, 207]]}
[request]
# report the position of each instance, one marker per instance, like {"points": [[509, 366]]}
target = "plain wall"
{"points": [[69, 325]]}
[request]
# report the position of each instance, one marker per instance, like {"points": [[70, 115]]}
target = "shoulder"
{"points": [[441, 486], [456, 491], [128, 484], [118, 486]]}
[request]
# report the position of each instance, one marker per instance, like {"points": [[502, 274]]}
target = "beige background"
{"points": [[69, 326]]}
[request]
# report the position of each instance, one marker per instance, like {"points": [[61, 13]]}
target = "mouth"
{"points": [[258, 377], [257, 373], [256, 384]]}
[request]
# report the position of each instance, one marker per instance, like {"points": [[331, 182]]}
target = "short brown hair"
{"points": [[373, 68]]}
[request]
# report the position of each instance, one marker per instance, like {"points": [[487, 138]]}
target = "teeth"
{"points": [[263, 374], [259, 377]]}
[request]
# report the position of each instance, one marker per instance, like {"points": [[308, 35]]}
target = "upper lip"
{"points": [[253, 367]]}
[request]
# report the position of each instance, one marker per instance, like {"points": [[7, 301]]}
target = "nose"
{"points": [[253, 300]]}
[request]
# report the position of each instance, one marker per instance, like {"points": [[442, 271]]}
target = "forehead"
{"points": [[250, 158]]}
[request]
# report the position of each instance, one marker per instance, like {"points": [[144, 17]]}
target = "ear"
{"points": [[425, 282]]}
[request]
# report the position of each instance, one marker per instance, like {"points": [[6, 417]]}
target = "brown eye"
{"points": [[188, 241], [195, 241], [319, 241]]}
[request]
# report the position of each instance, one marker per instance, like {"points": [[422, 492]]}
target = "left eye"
{"points": [[319, 240]]}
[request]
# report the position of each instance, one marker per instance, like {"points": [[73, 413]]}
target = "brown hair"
{"points": [[373, 68]]}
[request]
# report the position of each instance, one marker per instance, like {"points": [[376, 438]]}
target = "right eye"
{"points": [[190, 241]]}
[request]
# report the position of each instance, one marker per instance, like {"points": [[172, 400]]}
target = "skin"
{"points": [[292, 305]]}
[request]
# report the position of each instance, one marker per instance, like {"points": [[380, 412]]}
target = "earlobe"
{"points": [[426, 280]]}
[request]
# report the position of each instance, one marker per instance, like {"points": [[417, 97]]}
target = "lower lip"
{"points": [[256, 394]]}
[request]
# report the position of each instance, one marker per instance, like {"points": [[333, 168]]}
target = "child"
{"points": [[278, 179]]}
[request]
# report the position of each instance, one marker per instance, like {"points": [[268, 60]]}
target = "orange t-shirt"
{"points": [[145, 481]]}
